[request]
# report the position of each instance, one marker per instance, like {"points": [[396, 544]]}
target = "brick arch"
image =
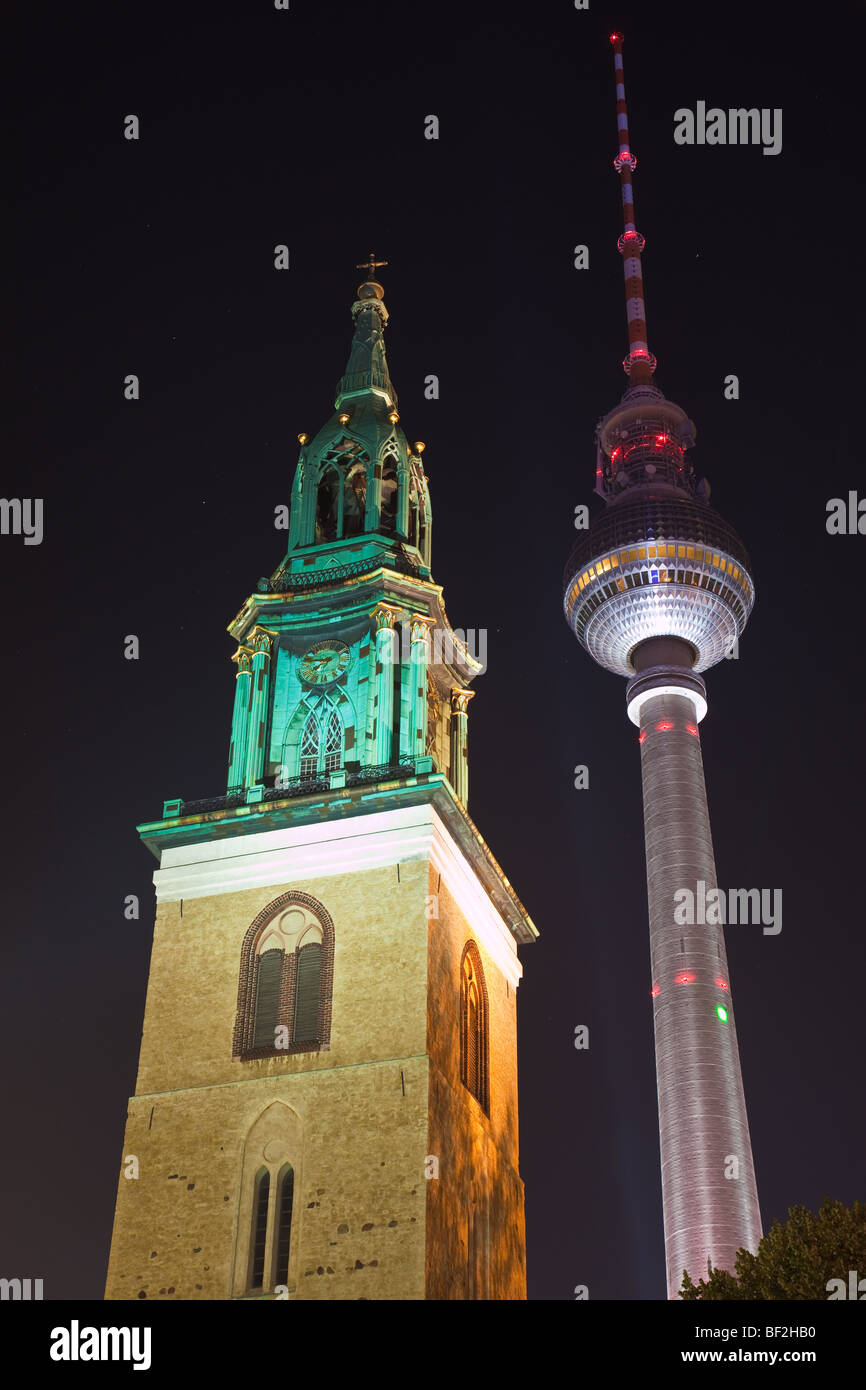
{"points": [[243, 1042], [472, 956]]}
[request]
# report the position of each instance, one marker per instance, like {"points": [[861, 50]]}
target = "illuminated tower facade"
{"points": [[326, 1102], [658, 590]]}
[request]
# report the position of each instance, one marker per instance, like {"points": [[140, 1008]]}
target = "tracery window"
{"points": [[321, 748], [286, 980], [266, 1253]]}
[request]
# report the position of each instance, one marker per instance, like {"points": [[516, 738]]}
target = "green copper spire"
{"points": [[366, 373], [350, 677], [358, 479]]}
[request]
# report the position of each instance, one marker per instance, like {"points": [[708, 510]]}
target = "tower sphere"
{"points": [[658, 565], [659, 561]]}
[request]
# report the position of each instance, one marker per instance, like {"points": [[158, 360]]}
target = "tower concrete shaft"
{"points": [[709, 1192]]}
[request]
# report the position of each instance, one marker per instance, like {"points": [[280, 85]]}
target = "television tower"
{"points": [[659, 589]]}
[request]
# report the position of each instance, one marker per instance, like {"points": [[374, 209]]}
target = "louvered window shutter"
{"points": [[267, 998], [260, 1230], [306, 1026], [284, 1226]]}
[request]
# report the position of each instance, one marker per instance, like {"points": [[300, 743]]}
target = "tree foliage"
{"points": [[796, 1258]]}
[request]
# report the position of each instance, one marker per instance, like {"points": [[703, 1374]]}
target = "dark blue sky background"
{"points": [[261, 127]]}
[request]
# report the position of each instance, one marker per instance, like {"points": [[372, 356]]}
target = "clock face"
{"points": [[325, 662]]}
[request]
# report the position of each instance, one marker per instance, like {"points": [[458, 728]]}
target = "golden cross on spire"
{"points": [[370, 265]]}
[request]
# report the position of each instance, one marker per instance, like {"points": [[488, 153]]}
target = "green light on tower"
{"points": [[722, 1012]]}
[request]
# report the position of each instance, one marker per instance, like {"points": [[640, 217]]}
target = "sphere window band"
{"points": [[635, 579], [660, 552]]}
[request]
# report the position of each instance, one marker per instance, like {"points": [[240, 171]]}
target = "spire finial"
{"points": [[640, 363], [367, 370], [371, 289], [370, 265]]}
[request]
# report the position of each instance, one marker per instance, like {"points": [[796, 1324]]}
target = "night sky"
{"points": [[306, 127]]}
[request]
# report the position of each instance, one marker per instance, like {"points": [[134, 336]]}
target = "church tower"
{"points": [[326, 1101]]}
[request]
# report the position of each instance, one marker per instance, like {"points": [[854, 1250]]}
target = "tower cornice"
{"points": [[242, 830]]}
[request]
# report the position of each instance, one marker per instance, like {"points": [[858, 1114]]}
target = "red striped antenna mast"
{"points": [[640, 363]]}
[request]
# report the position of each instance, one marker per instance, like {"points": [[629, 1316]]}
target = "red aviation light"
{"points": [[722, 984], [684, 979], [616, 453], [693, 729], [614, 38], [662, 439], [655, 991], [642, 736], [664, 724]]}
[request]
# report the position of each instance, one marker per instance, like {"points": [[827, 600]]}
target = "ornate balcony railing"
{"points": [[298, 786], [285, 581], [382, 772], [210, 803]]}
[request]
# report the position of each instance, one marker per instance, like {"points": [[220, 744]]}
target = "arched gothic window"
{"points": [[474, 1050], [283, 1234], [286, 980], [327, 504], [388, 508], [266, 1255], [261, 1199], [321, 749], [355, 500], [413, 514], [269, 1258]]}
